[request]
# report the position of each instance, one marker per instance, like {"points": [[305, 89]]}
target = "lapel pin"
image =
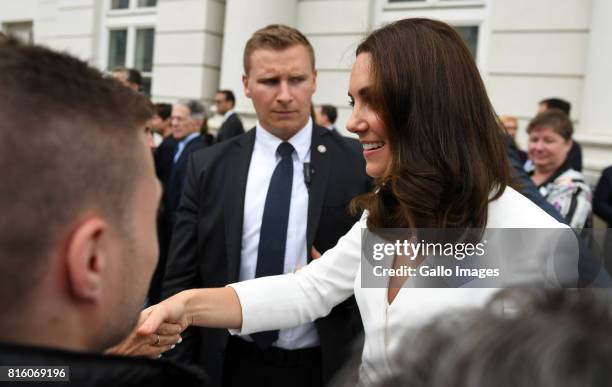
{"points": [[322, 149]]}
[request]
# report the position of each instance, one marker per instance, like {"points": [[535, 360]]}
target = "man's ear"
{"points": [[86, 257], [314, 78], [245, 85]]}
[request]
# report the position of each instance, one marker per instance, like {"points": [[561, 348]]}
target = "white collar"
{"points": [[189, 138], [300, 141], [228, 114]]}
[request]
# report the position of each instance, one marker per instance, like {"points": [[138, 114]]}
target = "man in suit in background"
{"points": [[171, 164], [326, 116], [265, 203], [232, 126]]}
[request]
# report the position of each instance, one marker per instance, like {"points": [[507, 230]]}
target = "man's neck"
{"points": [[42, 329]]}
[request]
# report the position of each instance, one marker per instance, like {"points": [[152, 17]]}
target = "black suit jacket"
{"points": [[171, 175], [231, 127], [574, 156], [206, 244]]}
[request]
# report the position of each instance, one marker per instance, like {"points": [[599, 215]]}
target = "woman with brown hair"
{"points": [[432, 142], [550, 141]]}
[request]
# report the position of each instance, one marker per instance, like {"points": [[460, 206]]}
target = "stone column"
{"points": [[595, 132], [242, 18]]}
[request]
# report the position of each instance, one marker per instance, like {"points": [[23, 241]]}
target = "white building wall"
{"points": [[538, 50], [527, 50], [65, 25], [334, 28], [187, 56], [242, 18]]}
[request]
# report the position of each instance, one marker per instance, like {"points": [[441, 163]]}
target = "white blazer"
{"points": [[292, 299]]}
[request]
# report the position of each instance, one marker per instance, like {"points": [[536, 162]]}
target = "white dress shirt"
{"points": [[263, 162], [287, 300], [182, 144]]}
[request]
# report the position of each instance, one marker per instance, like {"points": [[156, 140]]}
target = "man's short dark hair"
{"points": [[133, 75], [164, 110], [331, 112], [229, 95], [70, 141], [557, 103]]}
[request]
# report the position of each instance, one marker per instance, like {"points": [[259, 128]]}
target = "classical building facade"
{"points": [[526, 50]]}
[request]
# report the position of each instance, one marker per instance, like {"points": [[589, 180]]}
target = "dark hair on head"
{"points": [[229, 95], [448, 151], [133, 75], [555, 119], [80, 150], [557, 103], [275, 37], [331, 112], [164, 110]]}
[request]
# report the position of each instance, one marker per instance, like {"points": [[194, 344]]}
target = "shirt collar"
{"points": [[188, 138], [300, 141], [228, 114]]}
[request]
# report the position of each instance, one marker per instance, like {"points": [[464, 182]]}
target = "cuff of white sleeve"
{"points": [[241, 289]]}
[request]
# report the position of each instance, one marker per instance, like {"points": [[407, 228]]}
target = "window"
{"points": [[147, 3], [143, 58], [130, 4], [133, 52], [22, 31], [470, 37], [120, 4], [129, 37], [117, 49]]}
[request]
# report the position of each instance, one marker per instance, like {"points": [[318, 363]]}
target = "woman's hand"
{"points": [[171, 312], [153, 344], [211, 308]]}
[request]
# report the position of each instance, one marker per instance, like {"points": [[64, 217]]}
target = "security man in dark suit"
{"points": [[280, 190], [232, 126]]}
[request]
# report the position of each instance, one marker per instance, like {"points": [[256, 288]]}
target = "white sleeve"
{"points": [[289, 300]]}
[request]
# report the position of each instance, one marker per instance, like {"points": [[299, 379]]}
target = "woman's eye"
{"points": [[351, 102]]}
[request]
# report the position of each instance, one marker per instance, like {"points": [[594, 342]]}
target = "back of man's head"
{"points": [[331, 112], [557, 103], [130, 77], [72, 157], [275, 37], [164, 110]]}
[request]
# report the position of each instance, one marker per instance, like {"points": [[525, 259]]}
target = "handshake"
{"points": [[160, 326]]}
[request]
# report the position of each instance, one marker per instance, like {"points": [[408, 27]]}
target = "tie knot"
{"points": [[285, 149]]}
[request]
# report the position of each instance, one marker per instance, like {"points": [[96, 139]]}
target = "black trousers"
{"points": [[247, 365]]}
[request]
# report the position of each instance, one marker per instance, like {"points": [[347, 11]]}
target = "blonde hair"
{"points": [[275, 37]]}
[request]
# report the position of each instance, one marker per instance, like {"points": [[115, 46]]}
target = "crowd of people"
{"points": [[246, 249]]}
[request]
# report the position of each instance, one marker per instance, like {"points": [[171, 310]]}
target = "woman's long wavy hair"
{"points": [[448, 151]]}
